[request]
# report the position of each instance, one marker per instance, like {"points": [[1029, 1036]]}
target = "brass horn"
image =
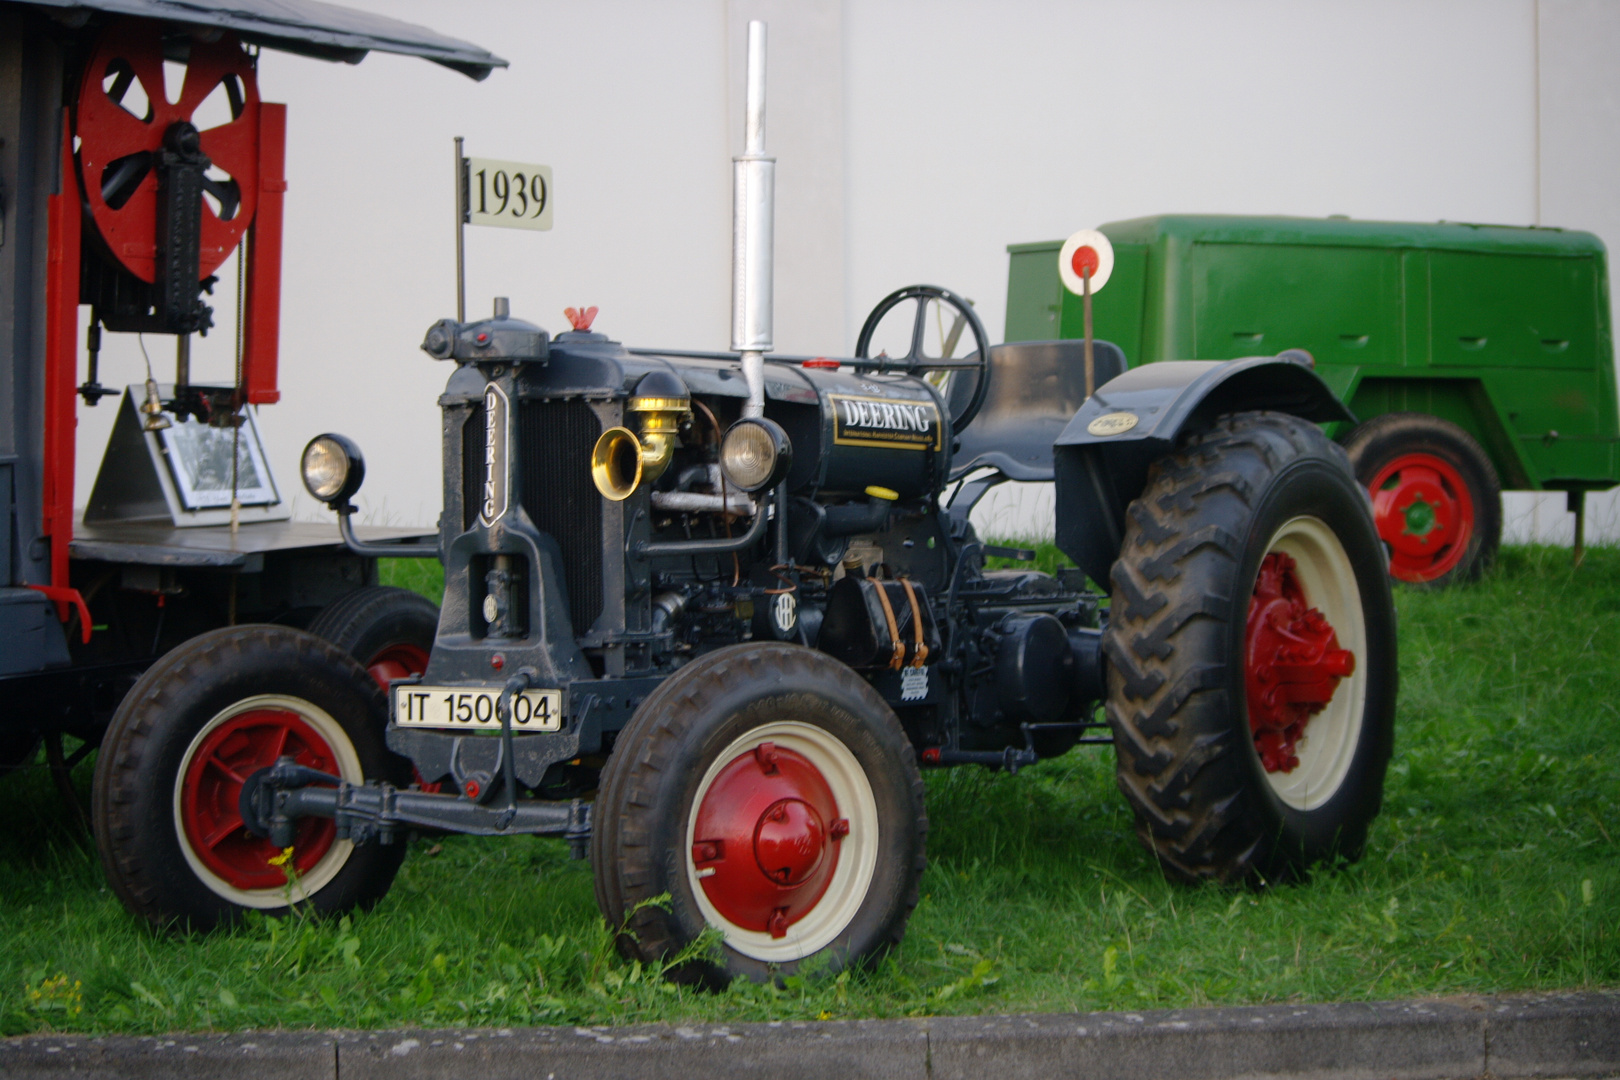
{"points": [[621, 458], [616, 464]]}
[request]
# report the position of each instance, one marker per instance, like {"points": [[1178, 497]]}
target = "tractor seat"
{"points": [[1035, 388]]}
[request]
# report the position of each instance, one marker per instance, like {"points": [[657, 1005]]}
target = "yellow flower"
{"points": [[283, 859]]}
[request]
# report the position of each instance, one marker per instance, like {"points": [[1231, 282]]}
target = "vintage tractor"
{"points": [[136, 155], [706, 616]]}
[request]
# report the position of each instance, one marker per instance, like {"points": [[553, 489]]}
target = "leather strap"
{"points": [[899, 658], [920, 656]]}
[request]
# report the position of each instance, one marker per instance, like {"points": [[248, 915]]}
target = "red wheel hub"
{"points": [[116, 147], [766, 839], [1292, 662], [1424, 513], [209, 799]]}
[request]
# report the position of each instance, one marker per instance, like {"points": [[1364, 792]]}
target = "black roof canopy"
{"points": [[309, 27]]}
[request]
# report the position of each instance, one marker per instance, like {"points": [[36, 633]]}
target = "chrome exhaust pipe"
{"points": [[753, 214]]}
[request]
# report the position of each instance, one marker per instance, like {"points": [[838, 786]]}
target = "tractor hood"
{"points": [[307, 27]]}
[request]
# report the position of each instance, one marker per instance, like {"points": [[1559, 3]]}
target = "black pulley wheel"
{"points": [[772, 794], [198, 724], [915, 361], [1437, 500], [1252, 658]]}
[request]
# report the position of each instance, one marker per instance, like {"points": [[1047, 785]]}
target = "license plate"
{"points": [[474, 710]]}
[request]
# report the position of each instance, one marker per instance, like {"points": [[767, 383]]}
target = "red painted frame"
{"points": [[261, 332]]}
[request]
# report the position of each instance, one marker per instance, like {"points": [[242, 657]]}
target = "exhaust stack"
{"points": [[753, 214]]}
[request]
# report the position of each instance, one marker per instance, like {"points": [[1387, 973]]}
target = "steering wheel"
{"points": [[915, 361]]}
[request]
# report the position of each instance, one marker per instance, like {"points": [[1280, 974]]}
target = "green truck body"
{"points": [[1504, 332]]}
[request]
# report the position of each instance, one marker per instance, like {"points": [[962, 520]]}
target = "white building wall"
{"points": [[915, 140]]}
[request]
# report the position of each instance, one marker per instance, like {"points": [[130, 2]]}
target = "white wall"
{"points": [[915, 141]]}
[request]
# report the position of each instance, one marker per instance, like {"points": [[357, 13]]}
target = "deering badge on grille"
{"points": [[895, 425], [497, 440]]}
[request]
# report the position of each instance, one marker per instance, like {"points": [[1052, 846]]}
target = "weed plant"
{"points": [[1493, 868]]}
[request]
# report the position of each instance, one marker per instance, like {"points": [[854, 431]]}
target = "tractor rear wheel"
{"points": [[1437, 501], [771, 794], [183, 743], [1251, 647]]}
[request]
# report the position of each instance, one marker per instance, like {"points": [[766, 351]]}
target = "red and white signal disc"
{"points": [[1087, 249]]}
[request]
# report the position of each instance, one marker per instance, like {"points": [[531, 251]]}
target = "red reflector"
{"points": [[1085, 260], [822, 362], [482, 337]]}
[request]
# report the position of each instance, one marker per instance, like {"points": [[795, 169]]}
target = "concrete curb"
{"points": [[1560, 1035]]}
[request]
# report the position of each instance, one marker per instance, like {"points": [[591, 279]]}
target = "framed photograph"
{"points": [[199, 458]]}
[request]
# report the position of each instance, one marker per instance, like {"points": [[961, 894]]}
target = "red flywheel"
{"points": [[119, 134]]}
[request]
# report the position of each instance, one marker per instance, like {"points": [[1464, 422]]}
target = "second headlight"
{"points": [[755, 454]]}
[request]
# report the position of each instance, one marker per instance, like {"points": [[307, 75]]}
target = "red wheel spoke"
{"points": [[225, 828], [282, 735], [119, 135], [225, 767]]}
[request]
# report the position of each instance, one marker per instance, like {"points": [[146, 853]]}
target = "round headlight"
{"points": [[755, 454], [332, 468]]}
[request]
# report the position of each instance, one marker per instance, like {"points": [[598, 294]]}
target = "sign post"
{"points": [[1084, 264], [461, 231]]}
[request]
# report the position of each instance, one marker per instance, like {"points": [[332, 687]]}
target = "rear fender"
{"points": [[1147, 409]]}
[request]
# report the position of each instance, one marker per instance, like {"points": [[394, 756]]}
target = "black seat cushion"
{"points": [[1035, 388]]}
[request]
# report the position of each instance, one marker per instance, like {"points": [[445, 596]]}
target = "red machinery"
{"points": [[126, 192]]}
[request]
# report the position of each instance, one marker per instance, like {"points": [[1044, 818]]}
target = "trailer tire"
{"points": [[1419, 466], [205, 716], [825, 760], [1214, 798], [389, 630]]}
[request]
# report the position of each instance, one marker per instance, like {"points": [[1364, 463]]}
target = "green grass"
{"points": [[1494, 867]]}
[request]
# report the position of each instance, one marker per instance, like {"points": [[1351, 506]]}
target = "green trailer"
{"points": [[1476, 357]]}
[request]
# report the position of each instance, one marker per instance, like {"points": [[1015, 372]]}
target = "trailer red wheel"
{"points": [[1436, 498], [1424, 513], [240, 740], [119, 135]]}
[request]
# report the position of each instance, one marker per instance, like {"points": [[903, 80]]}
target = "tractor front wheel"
{"points": [[772, 795], [195, 728], [1251, 642]]}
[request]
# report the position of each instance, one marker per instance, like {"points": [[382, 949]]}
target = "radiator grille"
{"points": [[555, 439], [557, 492]]}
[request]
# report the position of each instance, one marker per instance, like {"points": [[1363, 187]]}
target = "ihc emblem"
{"points": [[785, 611]]}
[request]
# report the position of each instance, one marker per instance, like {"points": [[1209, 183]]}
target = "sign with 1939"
{"points": [[507, 194]]}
